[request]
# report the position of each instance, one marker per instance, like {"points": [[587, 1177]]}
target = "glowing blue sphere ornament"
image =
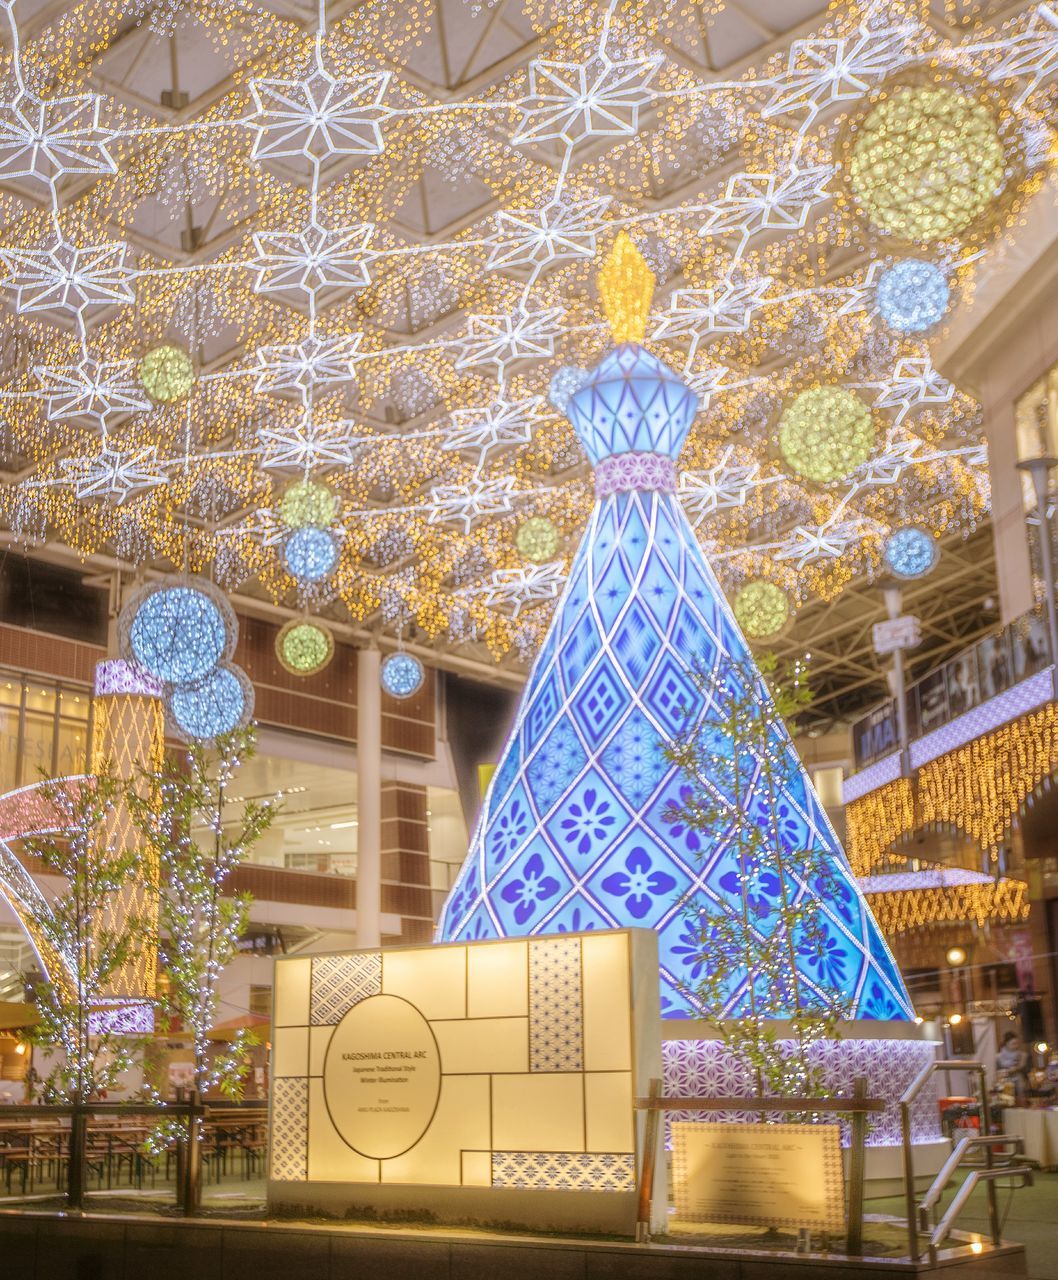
{"points": [[310, 553], [912, 296], [565, 384], [177, 633], [402, 675], [910, 552], [220, 703]]}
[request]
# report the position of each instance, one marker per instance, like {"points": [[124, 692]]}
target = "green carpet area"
{"points": [[1029, 1216]]}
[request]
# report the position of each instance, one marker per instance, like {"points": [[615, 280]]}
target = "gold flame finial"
{"points": [[626, 287]]}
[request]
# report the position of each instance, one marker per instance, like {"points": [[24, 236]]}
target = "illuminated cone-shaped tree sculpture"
{"points": [[578, 829]]}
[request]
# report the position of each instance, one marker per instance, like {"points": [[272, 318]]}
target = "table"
{"points": [[1038, 1126]]}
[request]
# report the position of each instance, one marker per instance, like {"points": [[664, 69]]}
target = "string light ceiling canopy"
{"points": [[367, 238]]}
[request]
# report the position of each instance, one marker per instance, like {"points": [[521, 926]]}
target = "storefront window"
{"points": [[44, 730]]}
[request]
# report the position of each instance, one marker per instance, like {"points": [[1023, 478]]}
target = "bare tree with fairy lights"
{"points": [[738, 761], [86, 943], [200, 834]]}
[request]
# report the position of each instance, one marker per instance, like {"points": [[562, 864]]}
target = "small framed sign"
{"points": [[767, 1175]]}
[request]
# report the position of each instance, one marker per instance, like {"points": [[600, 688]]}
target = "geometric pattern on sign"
{"points": [[290, 1114], [339, 982], [563, 1171], [555, 1038]]}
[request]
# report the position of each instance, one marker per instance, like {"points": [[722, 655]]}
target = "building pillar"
{"points": [[369, 799], [1017, 593], [406, 859]]}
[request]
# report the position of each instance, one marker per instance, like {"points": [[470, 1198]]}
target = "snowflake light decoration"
{"points": [[600, 97], [314, 258], [113, 475], [825, 433], [68, 277], [320, 116], [304, 647], [912, 296], [91, 389], [49, 139], [502, 339], [762, 609], [926, 161], [555, 232], [313, 362], [494, 427], [402, 675], [467, 504], [910, 552]]}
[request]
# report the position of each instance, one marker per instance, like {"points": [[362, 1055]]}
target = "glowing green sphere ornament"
{"points": [[304, 648], [761, 608], [537, 539], [307, 503], [825, 433], [166, 373], [926, 161]]}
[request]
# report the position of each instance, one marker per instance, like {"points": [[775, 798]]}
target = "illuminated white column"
{"points": [[369, 799]]}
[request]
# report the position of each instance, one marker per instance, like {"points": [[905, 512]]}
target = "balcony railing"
{"points": [[983, 671]]}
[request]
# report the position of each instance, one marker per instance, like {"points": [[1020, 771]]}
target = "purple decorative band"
{"points": [[116, 676], [622, 472]]}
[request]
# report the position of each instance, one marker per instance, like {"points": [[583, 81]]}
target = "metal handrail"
{"points": [[965, 1144], [988, 1176], [986, 1140]]}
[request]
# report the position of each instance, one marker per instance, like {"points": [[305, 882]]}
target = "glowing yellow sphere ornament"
{"points": [[307, 503], [537, 539], [825, 433], [761, 609], [166, 373], [303, 647], [926, 161]]}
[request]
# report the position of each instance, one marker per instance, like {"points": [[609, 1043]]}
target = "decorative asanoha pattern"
{"points": [[705, 1068], [563, 1171], [625, 472], [573, 834], [555, 1005], [339, 982], [290, 1110]]}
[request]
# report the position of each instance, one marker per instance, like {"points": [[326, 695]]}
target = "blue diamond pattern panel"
{"points": [[576, 830]]}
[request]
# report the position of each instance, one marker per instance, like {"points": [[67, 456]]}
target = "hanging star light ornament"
{"points": [[501, 340], [494, 427], [113, 475], [314, 362], [466, 504], [52, 138], [68, 277], [91, 389], [558, 231], [755, 202], [313, 258], [319, 116], [823, 72], [571, 102]]}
